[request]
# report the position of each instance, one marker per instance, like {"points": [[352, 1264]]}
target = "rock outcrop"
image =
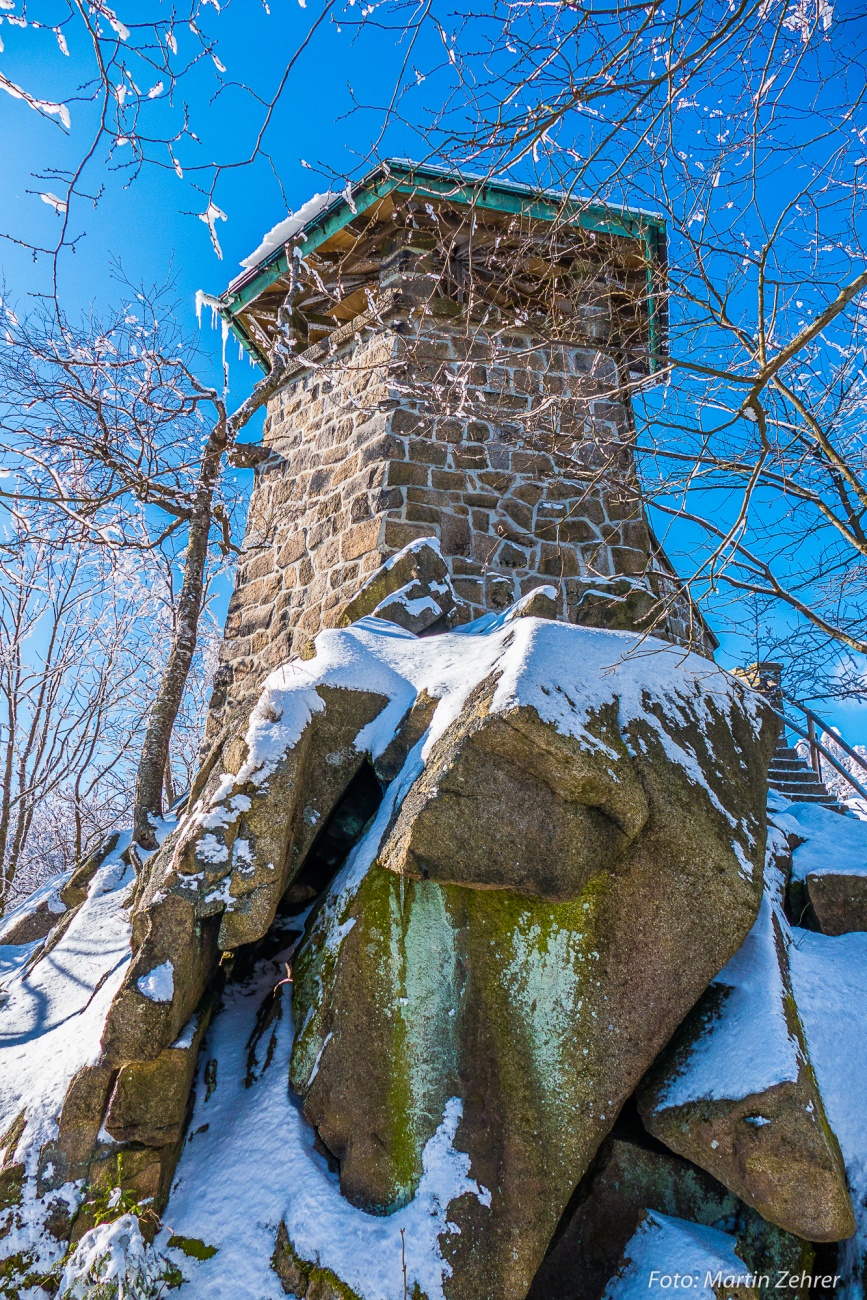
{"points": [[413, 589], [526, 849], [736, 1091], [838, 900], [549, 843], [827, 888]]}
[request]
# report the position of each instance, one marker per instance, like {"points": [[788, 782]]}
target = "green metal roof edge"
{"points": [[497, 196]]}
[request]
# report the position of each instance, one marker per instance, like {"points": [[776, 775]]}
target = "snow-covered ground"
{"points": [[669, 1254], [249, 1163], [51, 1018]]}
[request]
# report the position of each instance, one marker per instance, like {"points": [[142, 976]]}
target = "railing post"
{"points": [[815, 756]]}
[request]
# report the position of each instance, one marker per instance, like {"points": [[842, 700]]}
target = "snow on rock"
{"points": [[834, 844], [750, 1047], [159, 983], [36, 915], [535, 657], [412, 588], [664, 687], [669, 1254], [51, 1019], [735, 1091], [415, 606], [829, 866], [47, 895], [257, 1148], [249, 1163], [535, 661], [829, 978]]}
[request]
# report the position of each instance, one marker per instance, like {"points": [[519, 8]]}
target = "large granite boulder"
{"points": [[506, 801], [567, 857], [736, 1091], [567, 850]]}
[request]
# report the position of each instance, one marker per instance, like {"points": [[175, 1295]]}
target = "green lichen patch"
{"points": [[17, 1275], [11, 1185], [193, 1247]]}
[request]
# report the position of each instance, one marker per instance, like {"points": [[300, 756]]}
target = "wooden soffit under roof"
{"points": [[526, 252]]}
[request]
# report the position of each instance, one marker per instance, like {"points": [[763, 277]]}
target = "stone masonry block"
{"points": [[398, 534], [456, 535], [402, 473]]}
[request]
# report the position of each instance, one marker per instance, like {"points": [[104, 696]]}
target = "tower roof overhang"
{"points": [[336, 222]]}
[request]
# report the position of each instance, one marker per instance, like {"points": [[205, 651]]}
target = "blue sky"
{"points": [[150, 223]]}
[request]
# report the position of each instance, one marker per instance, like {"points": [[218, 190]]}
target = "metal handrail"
{"points": [[817, 744], [819, 722]]}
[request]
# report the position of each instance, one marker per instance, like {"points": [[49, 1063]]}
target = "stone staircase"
{"points": [[790, 775]]}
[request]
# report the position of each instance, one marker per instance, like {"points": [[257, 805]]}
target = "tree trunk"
{"points": [[155, 750], [168, 783]]}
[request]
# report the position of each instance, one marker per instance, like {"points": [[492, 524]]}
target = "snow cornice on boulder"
{"points": [[396, 179]]}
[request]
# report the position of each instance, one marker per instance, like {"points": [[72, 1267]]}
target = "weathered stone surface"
{"points": [[506, 801], [412, 589], [66, 1159], [217, 883], [271, 838], [839, 900], [408, 734], [12, 1172], [827, 887], [736, 1092], [142, 1173], [618, 603], [540, 602], [34, 924], [629, 1177], [539, 1009], [150, 1098], [288, 1267], [139, 1025], [11, 1184]]}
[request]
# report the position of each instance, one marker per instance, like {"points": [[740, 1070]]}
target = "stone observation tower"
{"points": [[462, 357]]}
